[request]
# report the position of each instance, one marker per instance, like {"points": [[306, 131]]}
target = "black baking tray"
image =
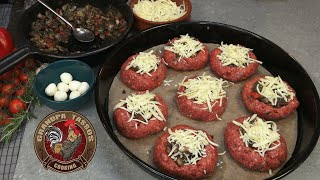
{"points": [[275, 60]]}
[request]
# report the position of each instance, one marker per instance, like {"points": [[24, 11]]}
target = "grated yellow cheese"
{"points": [[218, 117], [145, 62], [143, 105], [159, 10], [270, 172], [204, 89], [235, 55], [273, 88], [194, 140], [185, 46], [167, 82], [260, 134]]}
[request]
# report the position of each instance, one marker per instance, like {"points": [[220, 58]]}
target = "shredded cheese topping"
{"points": [[159, 10], [259, 134], [185, 46], [167, 82], [273, 88], [235, 55], [193, 140], [143, 105], [218, 117], [204, 89], [145, 62], [270, 172]]}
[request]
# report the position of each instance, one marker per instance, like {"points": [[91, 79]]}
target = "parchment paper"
{"points": [[227, 168]]}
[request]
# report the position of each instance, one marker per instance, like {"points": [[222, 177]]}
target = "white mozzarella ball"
{"points": [[74, 94], [51, 89], [60, 96], [66, 77], [63, 87], [83, 87], [74, 85]]}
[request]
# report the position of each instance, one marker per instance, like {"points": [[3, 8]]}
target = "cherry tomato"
{"points": [[7, 75], [23, 77], [4, 101], [21, 91], [6, 43], [15, 81], [7, 89], [4, 119], [16, 105], [16, 71]]}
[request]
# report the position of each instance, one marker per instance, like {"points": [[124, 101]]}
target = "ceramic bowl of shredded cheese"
{"points": [[150, 13]]}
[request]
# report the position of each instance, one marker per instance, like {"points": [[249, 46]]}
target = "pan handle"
{"points": [[124, 1], [14, 58]]}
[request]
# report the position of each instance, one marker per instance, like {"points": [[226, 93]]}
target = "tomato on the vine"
{"points": [[23, 77], [16, 105], [4, 118], [16, 71], [4, 101], [21, 91], [15, 81], [7, 89], [7, 75]]}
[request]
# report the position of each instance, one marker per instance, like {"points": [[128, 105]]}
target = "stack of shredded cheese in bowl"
{"points": [[149, 13]]}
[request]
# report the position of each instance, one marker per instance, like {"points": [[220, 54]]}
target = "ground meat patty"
{"points": [[247, 157], [186, 64], [142, 82], [188, 108], [264, 110], [204, 167], [232, 73], [129, 130]]}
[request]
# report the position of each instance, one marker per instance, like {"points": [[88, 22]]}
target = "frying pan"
{"points": [[275, 60], [28, 48]]}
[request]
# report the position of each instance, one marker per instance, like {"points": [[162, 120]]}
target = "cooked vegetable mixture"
{"points": [[51, 34]]}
